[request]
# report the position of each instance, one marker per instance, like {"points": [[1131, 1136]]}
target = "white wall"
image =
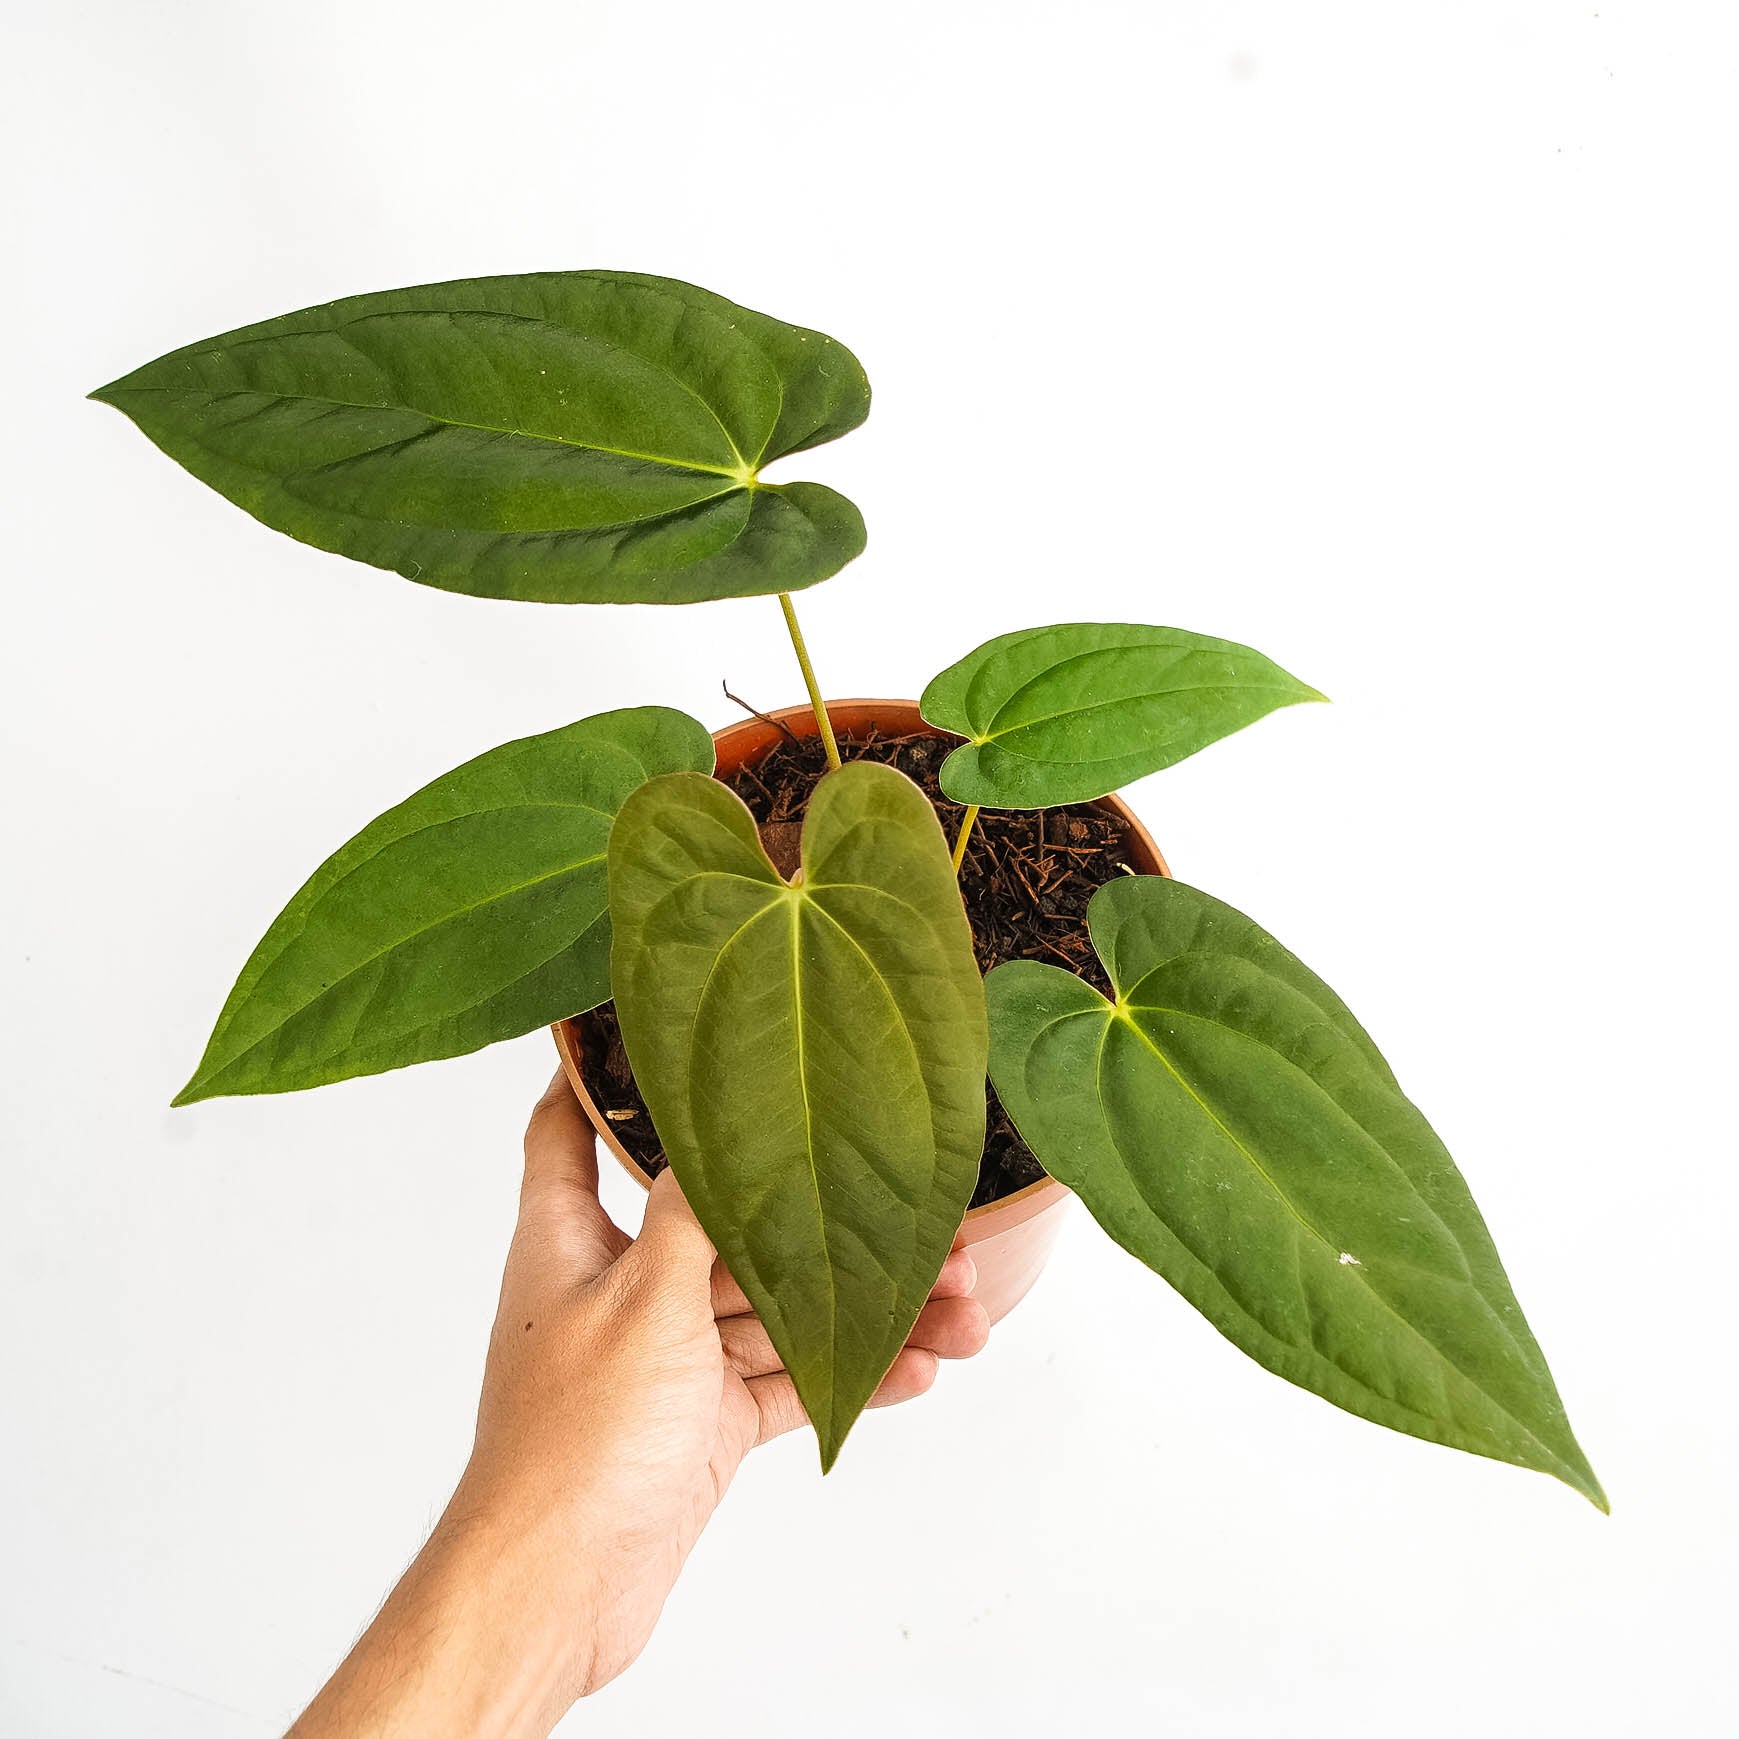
{"points": [[1395, 340]]}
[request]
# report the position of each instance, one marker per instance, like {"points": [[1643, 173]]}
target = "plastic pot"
{"points": [[1009, 1239]]}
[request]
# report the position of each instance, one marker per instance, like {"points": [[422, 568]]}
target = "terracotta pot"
{"points": [[1009, 1239]]}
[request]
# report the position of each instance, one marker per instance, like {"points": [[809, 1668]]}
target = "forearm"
{"points": [[466, 1645]]}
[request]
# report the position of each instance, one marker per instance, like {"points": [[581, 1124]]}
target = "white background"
{"points": [[1397, 340]]}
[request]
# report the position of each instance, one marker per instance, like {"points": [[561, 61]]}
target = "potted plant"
{"points": [[792, 1000]]}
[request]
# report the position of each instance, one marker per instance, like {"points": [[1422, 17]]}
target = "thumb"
{"points": [[671, 1234], [559, 1194]]}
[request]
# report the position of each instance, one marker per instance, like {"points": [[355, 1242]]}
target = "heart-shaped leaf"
{"points": [[812, 1054], [1067, 714], [572, 437], [1228, 1122], [474, 911]]}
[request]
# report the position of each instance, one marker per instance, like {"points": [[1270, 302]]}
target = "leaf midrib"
{"points": [[995, 736], [1085, 655], [1379, 1082], [215, 397], [796, 902], [604, 344], [1327, 1243], [776, 890], [342, 334], [379, 954]]}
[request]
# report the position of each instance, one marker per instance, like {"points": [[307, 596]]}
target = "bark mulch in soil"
{"points": [[1026, 881]]}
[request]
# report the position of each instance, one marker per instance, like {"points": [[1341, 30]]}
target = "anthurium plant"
{"points": [[814, 1047]]}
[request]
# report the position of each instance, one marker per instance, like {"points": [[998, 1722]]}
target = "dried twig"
{"points": [[755, 712]]}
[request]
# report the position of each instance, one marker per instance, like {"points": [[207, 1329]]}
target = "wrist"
{"points": [[523, 1606], [474, 1643]]}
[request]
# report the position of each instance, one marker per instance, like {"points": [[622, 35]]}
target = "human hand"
{"points": [[626, 1380]]}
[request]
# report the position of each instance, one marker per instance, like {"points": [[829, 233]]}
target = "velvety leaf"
{"points": [[1067, 714], [573, 437], [474, 911], [812, 1055], [1228, 1122]]}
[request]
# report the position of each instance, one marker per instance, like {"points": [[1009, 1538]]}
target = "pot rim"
{"points": [[738, 741]]}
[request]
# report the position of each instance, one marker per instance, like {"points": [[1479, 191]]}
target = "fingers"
{"points": [[958, 1277], [776, 1402], [910, 1376], [951, 1328], [947, 1328], [775, 1395]]}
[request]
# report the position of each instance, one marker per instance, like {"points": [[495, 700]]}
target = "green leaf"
{"points": [[1227, 1121], [474, 911], [1067, 714], [812, 1054], [570, 437]]}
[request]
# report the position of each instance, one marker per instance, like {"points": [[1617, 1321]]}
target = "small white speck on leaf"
{"points": [[1349, 1260]]}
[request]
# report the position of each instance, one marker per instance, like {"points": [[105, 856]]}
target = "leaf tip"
{"points": [[195, 1090], [1584, 1482]]}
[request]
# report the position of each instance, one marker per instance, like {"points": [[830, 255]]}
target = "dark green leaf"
{"points": [[1067, 714], [574, 437], [812, 1054], [474, 911], [1229, 1122]]}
